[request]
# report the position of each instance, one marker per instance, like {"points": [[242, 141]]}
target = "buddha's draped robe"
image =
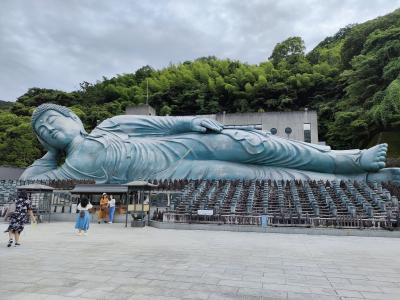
{"points": [[141, 147]]}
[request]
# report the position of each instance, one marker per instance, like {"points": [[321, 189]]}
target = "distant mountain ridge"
{"points": [[6, 104]]}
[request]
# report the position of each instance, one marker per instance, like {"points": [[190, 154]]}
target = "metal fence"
{"points": [[285, 221]]}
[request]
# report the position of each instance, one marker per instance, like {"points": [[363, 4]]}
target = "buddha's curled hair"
{"points": [[50, 106]]}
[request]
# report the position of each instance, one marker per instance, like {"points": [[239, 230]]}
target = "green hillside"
{"points": [[5, 105], [351, 79]]}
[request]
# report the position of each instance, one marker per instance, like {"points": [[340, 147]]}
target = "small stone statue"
{"points": [[126, 148]]}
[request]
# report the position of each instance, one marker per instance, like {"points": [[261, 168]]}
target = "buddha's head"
{"points": [[56, 126]]}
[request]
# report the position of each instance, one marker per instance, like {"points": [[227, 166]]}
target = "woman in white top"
{"points": [[111, 210], [83, 219]]}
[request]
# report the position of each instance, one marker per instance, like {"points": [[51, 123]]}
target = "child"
{"points": [[83, 219]]}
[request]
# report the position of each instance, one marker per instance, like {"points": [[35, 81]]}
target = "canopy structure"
{"points": [[136, 205], [35, 187], [91, 191], [127, 191], [140, 185], [99, 189], [41, 196]]}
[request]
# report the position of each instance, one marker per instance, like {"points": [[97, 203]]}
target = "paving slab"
{"points": [[114, 262]]}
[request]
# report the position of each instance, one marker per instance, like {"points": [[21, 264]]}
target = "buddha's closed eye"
{"points": [[51, 119]]}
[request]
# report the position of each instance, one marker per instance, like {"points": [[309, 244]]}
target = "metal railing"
{"points": [[285, 221]]}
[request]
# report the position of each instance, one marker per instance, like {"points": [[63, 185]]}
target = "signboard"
{"points": [[205, 212], [138, 207]]}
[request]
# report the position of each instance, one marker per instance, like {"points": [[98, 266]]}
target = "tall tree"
{"points": [[290, 49]]}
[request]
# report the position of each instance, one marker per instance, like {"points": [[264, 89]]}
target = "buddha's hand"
{"points": [[200, 124], [51, 155]]}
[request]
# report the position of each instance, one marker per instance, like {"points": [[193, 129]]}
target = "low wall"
{"points": [[68, 217], [286, 230], [63, 217]]}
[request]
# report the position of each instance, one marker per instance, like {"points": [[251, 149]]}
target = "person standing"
{"points": [[83, 219], [103, 212], [23, 207], [111, 209]]}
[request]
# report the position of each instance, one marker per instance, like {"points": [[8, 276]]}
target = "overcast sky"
{"points": [[59, 43]]}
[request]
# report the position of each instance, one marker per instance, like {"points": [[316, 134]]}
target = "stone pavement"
{"points": [[114, 262]]}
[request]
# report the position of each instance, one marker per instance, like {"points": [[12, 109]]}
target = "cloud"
{"points": [[58, 44]]}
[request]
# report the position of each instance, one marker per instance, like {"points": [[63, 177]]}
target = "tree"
{"points": [[18, 145], [387, 112], [290, 49]]}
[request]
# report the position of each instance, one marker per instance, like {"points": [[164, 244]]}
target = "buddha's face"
{"points": [[56, 129]]}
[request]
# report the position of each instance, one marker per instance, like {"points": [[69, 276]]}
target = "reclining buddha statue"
{"points": [[127, 147]]}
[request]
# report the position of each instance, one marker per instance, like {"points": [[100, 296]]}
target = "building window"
{"points": [[255, 126], [274, 131], [307, 132], [288, 131]]}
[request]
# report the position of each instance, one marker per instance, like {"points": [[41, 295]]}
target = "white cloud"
{"points": [[58, 44]]}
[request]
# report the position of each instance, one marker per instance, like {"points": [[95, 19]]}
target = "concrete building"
{"points": [[142, 109], [296, 125]]}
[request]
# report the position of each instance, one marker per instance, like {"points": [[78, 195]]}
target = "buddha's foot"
{"points": [[387, 174], [373, 159]]}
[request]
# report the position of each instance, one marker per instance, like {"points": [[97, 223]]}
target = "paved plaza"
{"points": [[114, 262]]}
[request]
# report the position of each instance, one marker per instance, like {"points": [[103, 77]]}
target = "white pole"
{"points": [[147, 92]]}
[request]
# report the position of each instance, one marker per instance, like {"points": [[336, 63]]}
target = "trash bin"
{"points": [[138, 219]]}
